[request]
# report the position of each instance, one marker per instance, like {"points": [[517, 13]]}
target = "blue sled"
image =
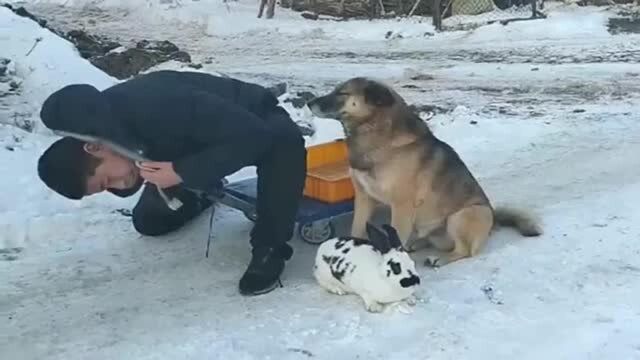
{"points": [[241, 195]]}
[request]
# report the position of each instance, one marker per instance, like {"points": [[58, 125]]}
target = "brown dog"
{"points": [[397, 161]]}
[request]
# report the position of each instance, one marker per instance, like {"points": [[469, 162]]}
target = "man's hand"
{"points": [[160, 174]]}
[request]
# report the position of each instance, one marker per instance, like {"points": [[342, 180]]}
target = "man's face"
{"points": [[113, 172]]}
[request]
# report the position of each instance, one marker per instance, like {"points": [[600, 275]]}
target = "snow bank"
{"points": [[235, 18], [239, 18], [50, 65], [44, 62], [566, 23]]}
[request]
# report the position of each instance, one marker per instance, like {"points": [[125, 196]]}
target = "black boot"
{"points": [[263, 273]]}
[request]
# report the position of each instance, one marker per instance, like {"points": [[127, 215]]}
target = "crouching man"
{"points": [[197, 128]]}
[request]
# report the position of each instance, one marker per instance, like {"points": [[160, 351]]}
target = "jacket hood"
{"points": [[83, 110]]}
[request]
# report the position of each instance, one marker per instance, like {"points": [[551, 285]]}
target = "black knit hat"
{"points": [[65, 166]]}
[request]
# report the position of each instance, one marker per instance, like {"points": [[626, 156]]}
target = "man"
{"points": [[197, 128]]}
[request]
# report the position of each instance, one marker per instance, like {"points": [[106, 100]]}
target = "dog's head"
{"points": [[354, 101]]}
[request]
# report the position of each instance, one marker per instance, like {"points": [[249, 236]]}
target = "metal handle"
{"points": [[173, 203]]}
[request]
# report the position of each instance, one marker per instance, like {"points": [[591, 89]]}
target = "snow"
{"points": [[292, 24], [591, 23], [53, 63], [543, 113], [45, 68]]}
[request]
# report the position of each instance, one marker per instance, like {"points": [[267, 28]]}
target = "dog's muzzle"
{"points": [[315, 109], [315, 105], [323, 106]]}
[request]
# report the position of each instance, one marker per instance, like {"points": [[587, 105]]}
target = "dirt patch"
{"points": [[624, 25], [102, 51], [21, 11], [10, 254], [6, 69], [300, 99], [10, 89], [91, 46], [147, 54], [429, 108]]}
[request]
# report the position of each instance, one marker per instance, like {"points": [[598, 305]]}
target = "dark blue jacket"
{"points": [[208, 126]]}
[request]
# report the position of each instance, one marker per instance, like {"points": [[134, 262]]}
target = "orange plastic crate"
{"points": [[328, 176]]}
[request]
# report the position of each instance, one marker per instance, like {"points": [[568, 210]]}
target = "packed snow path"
{"points": [[78, 282]]}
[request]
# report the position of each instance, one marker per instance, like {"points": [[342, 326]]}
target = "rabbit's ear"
{"points": [[392, 236], [378, 239]]}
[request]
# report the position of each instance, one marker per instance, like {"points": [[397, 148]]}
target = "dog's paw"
{"points": [[412, 248], [432, 261], [417, 245]]}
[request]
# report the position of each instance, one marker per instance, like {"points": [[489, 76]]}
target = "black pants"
{"points": [[281, 173]]}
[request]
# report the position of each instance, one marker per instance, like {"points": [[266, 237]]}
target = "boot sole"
{"points": [[261, 291]]}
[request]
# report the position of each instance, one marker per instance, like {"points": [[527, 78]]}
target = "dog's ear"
{"points": [[392, 236], [378, 239], [377, 94]]}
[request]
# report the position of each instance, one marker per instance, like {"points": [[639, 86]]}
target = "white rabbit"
{"points": [[378, 270]]}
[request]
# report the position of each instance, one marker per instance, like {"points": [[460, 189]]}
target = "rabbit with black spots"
{"points": [[379, 270]]}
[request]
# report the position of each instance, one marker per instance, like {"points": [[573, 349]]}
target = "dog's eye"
{"points": [[342, 94]]}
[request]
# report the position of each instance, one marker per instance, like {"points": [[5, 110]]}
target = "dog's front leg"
{"points": [[402, 219], [363, 207]]}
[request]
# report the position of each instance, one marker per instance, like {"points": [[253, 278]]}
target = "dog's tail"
{"points": [[519, 219]]}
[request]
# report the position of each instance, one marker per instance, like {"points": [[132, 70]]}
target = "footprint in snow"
{"points": [[10, 254]]}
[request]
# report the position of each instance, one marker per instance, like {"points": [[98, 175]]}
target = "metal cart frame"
{"points": [[315, 219]]}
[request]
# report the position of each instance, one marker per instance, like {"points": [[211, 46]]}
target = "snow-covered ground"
{"points": [[543, 112]]}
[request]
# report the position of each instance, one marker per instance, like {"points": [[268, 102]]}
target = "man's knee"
{"points": [[152, 216]]}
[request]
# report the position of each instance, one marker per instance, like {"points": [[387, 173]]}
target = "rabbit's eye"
{"points": [[395, 267]]}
